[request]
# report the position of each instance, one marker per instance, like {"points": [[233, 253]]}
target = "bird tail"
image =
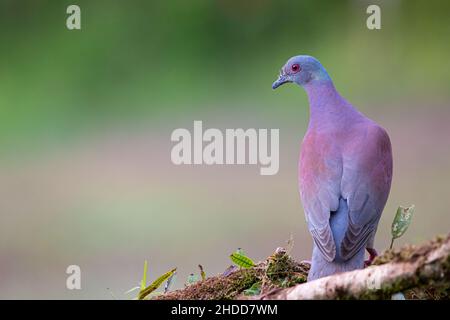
{"points": [[321, 267]]}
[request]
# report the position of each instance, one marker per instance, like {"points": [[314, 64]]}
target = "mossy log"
{"points": [[421, 272], [425, 269]]}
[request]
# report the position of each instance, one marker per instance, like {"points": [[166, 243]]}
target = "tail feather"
{"points": [[320, 267]]}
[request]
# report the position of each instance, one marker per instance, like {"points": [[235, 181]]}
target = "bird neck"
{"points": [[327, 106]]}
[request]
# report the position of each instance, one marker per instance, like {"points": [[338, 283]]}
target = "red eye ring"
{"points": [[295, 68]]}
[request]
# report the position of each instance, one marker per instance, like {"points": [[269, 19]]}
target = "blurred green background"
{"points": [[86, 118]]}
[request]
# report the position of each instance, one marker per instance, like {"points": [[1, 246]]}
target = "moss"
{"points": [[277, 271], [437, 292], [215, 288], [421, 287], [408, 253], [283, 271]]}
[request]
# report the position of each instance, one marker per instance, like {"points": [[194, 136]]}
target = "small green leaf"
{"points": [[402, 221], [144, 276], [254, 290], [155, 284], [241, 260], [192, 278], [202, 272]]}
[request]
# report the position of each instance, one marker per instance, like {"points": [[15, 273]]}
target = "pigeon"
{"points": [[345, 172]]}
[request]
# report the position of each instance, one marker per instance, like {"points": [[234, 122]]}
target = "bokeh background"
{"points": [[86, 118]]}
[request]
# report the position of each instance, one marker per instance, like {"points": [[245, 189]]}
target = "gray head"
{"points": [[301, 70]]}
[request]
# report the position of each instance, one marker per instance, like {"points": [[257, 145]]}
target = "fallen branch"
{"points": [[418, 271], [396, 270]]}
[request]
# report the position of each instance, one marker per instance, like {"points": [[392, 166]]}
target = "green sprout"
{"points": [[401, 222]]}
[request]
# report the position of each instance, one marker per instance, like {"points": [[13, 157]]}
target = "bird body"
{"points": [[345, 172]]}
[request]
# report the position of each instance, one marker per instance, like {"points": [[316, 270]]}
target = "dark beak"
{"points": [[282, 79]]}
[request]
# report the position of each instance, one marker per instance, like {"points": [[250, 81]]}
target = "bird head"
{"points": [[301, 70]]}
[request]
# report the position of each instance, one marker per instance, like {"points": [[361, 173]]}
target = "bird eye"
{"points": [[295, 68]]}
